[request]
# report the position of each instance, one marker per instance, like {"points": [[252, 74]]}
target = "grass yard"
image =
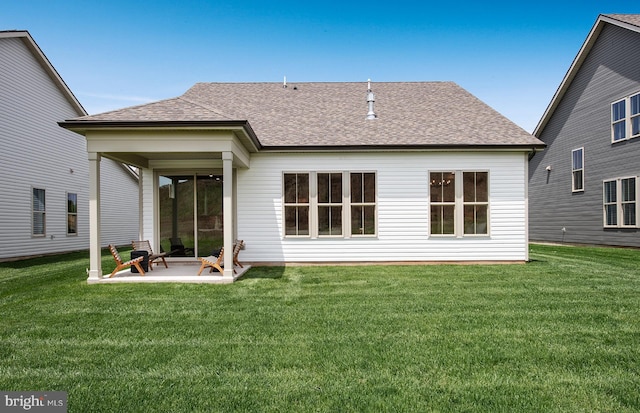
{"points": [[559, 334]]}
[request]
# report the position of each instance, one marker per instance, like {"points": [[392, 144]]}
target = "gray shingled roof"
{"points": [[633, 19], [334, 114]]}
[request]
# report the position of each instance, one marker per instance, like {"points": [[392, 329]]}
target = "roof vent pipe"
{"points": [[284, 84], [370, 101]]}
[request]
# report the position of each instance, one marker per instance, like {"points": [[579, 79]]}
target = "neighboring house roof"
{"points": [[322, 115], [627, 21], [46, 65]]}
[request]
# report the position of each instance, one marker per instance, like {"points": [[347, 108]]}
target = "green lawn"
{"points": [[561, 333]]}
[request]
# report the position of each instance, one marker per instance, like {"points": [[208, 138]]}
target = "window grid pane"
{"points": [[442, 219], [618, 110]]}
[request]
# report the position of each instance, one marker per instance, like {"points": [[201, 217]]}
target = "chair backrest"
{"points": [[237, 247], [176, 241], [142, 246], [115, 253]]}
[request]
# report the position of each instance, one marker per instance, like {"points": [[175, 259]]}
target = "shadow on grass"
{"points": [[267, 273], [46, 260]]}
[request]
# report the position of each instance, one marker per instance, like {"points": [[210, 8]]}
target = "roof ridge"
{"points": [[130, 107], [216, 111]]}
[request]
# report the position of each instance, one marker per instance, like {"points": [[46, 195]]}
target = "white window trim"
{"points": [[573, 169], [619, 203], [627, 119], [346, 205], [458, 213]]}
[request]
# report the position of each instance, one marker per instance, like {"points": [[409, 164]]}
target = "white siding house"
{"points": [[403, 232], [44, 170], [322, 173]]}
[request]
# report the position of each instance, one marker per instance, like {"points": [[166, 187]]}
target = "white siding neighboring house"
{"points": [[323, 172], [44, 170]]}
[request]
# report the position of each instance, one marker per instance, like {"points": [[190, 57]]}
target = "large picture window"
{"points": [[620, 205], [330, 204], [625, 118], [296, 204], [38, 225], [72, 214], [577, 170], [459, 203]]}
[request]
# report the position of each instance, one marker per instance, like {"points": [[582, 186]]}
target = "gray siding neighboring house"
{"points": [[39, 157], [579, 123]]}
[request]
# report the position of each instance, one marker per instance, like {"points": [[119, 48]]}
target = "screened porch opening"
{"points": [[190, 213]]}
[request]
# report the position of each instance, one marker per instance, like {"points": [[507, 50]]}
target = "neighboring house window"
{"points": [[72, 214], [625, 118], [332, 206], [363, 203], [329, 203], [577, 169], [618, 120], [459, 203], [620, 202], [296, 203], [38, 227]]}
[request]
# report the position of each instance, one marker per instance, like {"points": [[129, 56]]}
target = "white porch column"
{"points": [[227, 205], [95, 255]]}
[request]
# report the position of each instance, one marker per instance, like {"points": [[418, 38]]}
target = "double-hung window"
{"points": [[620, 202], [38, 221], [296, 204], [330, 204], [363, 203], [476, 202], [72, 214], [443, 202], [459, 203], [625, 118], [577, 170]]}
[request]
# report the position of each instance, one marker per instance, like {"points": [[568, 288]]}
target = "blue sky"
{"points": [[114, 54]]}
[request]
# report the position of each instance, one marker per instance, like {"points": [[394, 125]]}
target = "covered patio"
{"points": [[160, 149], [178, 272]]}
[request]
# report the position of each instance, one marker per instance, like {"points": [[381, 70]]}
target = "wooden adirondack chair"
{"points": [[213, 262], [237, 246], [121, 265], [146, 246]]}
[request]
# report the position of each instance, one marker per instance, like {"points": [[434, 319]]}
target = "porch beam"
{"points": [[227, 206], [95, 255]]}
